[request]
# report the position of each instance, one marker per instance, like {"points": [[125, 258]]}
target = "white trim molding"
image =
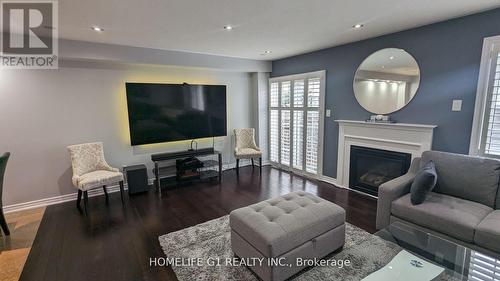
{"points": [[400, 137], [58, 199], [314, 74], [95, 192], [330, 180], [490, 46]]}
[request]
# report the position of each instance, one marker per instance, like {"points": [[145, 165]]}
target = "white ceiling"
{"points": [[286, 27]]}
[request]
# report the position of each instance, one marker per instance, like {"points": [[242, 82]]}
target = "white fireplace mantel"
{"points": [[400, 137]]}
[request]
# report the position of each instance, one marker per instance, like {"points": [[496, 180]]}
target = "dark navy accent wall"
{"points": [[449, 55]]}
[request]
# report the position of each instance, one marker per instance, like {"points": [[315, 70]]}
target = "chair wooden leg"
{"points": [[260, 164], [237, 165], [105, 193], [3, 223], [121, 191], [79, 199], [86, 202], [252, 162]]}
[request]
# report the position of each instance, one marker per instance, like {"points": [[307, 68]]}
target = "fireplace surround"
{"points": [[412, 139]]}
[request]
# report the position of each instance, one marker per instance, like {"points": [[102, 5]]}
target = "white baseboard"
{"points": [[94, 192], [329, 180], [243, 163], [57, 199]]}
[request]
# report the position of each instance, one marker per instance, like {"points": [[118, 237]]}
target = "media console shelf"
{"points": [[167, 174]]}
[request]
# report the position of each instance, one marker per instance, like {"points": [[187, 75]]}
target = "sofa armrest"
{"points": [[392, 190]]}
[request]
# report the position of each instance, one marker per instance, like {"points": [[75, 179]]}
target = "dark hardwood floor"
{"points": [[116, 243]]}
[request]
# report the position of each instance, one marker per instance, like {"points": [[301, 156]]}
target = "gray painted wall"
{"points": [[449, 55], [90, 51], [43, 111], [260, 85]]}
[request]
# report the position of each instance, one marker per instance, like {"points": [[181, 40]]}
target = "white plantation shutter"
{"points": [[298, 93], [313, 92], [274, 92], [483, 268], [312, 137], [274, 135], [312, 141], [285, 137], [298, 139], [491, 130], [295, 122], [285, 94], [274, 122], [485, 137], [298, 124]]}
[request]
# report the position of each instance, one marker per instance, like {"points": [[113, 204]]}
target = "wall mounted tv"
{"points": [[173, 112]]}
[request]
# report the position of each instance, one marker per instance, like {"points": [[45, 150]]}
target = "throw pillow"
{"points": [[424, 182]]}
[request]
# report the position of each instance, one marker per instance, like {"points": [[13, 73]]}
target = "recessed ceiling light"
{"points": [[391, 57], [228, 27], [97, 28], [267, 52], [358, 26]]}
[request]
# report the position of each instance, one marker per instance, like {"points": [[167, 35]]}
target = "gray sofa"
{"points": [[464, 207]]}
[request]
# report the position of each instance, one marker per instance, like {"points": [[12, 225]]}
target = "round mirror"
{"points": [[386, 81]]}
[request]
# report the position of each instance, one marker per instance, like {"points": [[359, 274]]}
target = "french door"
{"points": [[296, 105]]}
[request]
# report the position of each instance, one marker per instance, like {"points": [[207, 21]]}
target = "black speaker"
{"points": [[137, 178]]}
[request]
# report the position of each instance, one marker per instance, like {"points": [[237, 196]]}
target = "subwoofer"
{"points": [[137, 178]]}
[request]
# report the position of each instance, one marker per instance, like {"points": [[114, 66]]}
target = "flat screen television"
{"points": [[173, 112]]}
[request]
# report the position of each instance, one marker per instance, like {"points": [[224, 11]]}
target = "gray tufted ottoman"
{"points": [[296, 225]]}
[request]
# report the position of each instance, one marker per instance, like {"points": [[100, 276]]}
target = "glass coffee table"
{"points": [[428, 257]]}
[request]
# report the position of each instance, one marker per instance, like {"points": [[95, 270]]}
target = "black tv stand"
{"points": [[166, 174]]}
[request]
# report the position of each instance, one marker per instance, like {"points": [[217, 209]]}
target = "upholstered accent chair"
{"points": [[90, 171], [3, 164], [246, 148]]}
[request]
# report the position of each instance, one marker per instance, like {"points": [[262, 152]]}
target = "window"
{"points": [[274, 100], [483, 268], [313, 93], [298, 139], [285, 137], [285, 94], [312, 141], [295, 121], [485, 139], [298, 93], [274, 120]]}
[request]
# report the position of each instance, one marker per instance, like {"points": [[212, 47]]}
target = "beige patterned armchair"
{"points": [[246, 148], [90, 170]]}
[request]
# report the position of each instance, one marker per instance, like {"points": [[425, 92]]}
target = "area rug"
{"points": [[212, 240], [14, 249]]}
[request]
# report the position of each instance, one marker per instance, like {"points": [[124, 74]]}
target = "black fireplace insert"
{"points": [[370, 167]]}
